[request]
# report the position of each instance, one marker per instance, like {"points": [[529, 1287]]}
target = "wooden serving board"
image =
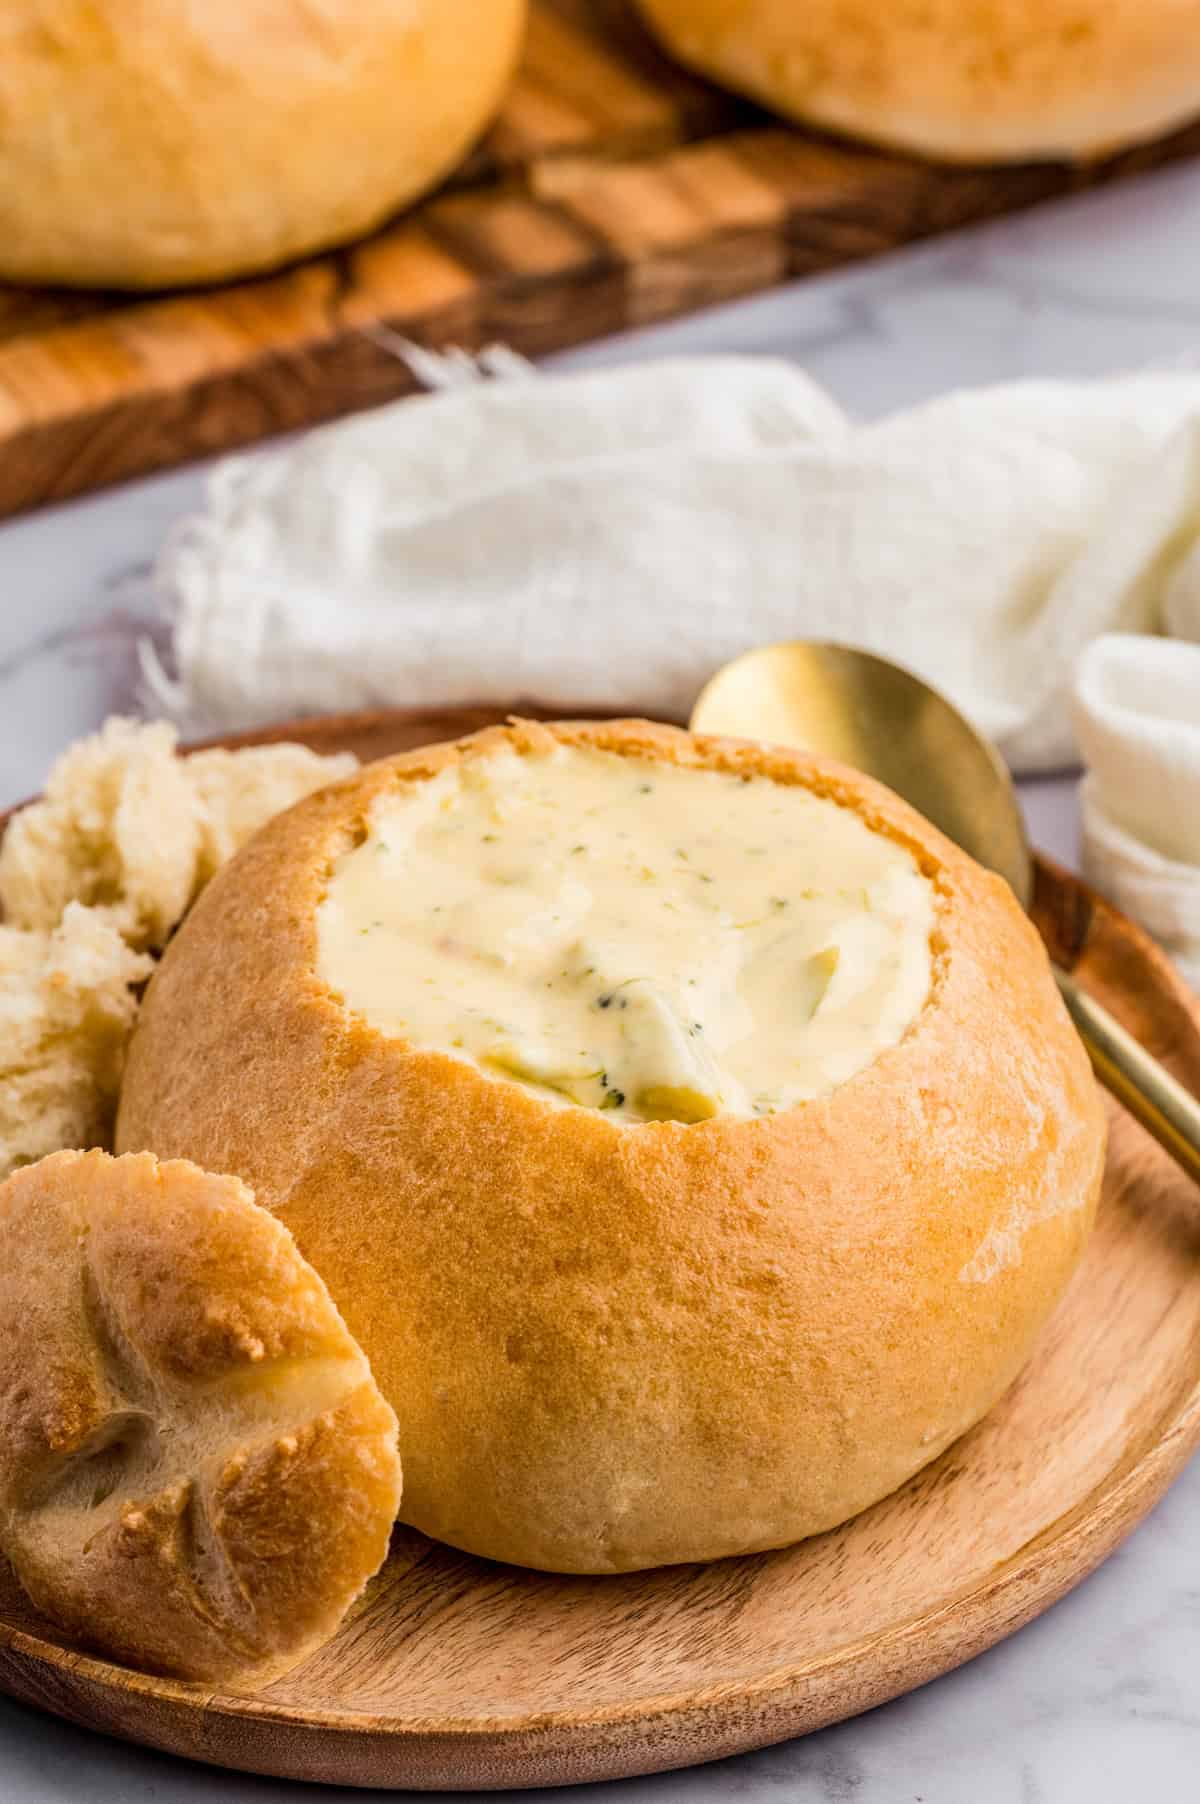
{"points": [[455, 1673], [614, 191]]}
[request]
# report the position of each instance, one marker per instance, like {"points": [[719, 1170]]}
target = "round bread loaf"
{"points": [[965, 80], [197, 1472], [615, 1344], [150, 145]]}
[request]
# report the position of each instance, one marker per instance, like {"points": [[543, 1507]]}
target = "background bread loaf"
{"points": [[143, 145], [967, 80]]}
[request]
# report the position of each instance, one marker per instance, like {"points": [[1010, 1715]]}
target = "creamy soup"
{"points": [[625, 935]]}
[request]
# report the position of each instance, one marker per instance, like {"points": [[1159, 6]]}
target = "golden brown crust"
{"points": [[197, 1472], [967, 80], [613, 1346], [150, 145]]}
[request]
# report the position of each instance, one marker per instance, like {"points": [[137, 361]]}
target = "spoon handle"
{"points": [[1137, 1080]]}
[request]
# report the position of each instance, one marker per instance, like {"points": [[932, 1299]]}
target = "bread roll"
{"points": [[616, 1343], [197, 1473], [149, 145], [964, 80]]}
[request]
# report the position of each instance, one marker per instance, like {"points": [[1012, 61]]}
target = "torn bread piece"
{"points": [[127, 826], [92, 877], [117, 827], [198, 1474], [67, 1005], [238, 792]]}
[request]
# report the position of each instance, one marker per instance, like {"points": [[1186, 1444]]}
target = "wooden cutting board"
{"points": [[614, 191], [456, 1673]]}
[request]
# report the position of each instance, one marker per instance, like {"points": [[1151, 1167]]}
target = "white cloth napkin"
{"points": [[1137, 713], [605, 540]]}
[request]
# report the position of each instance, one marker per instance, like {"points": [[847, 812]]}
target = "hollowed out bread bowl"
{"points": [[614, 1345]]}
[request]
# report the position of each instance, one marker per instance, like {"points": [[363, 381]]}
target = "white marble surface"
{"points": [[1099, 1701]]}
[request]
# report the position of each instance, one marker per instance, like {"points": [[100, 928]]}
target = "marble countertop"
{"points": [[1099, 1700]]}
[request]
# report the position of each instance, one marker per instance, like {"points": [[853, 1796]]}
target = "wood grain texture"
{"points": [[455, 1673], [613, 191]]}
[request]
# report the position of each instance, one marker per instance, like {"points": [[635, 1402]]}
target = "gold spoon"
{"points": [[869, 713]]}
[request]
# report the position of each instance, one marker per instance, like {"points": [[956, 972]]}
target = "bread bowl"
{"points": [[1006, 80], [146, 146], [615, 1342], [197, 1472]]}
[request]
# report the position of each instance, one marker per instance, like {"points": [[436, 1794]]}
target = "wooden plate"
{"points": [[457, 1673]]}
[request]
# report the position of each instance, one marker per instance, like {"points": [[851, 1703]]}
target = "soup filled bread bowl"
{"points": [[690, 1135]]}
